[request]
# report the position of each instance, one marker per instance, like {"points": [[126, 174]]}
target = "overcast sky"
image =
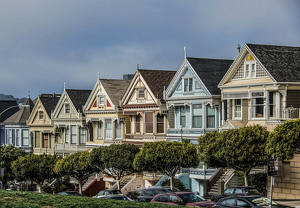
{"points": [[46, 43]]}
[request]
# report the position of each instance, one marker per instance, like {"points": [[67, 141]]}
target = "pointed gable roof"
{"points": [[210, 71], [157, 80], [78, 97], [49, 102], [115, 88], [282, 62], [21, 116]]}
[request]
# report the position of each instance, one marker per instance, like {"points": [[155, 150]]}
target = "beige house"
{"points": [[69, 122], [104, 114], [41, 126], [262, 86]]}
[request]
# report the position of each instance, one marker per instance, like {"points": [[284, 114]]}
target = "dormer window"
{"points": [[41, 115], [250, 67], [188, 84], [141, 93], [67, 108], [101, 100]]}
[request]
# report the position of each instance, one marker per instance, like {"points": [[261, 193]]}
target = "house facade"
{"points": [[16, 129], [103, 112], [41, 125], [145, 107], [69, 122], [194, 108], [262, 87]]}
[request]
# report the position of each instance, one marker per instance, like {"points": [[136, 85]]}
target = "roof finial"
{"points": [[38, 93], [239, 48], [184, 52], [64, 86], [98, 75], [137, 66], [28, 94]]}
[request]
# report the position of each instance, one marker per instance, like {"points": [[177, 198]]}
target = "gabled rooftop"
{"points": [[78, 97], [49, 102], [157, 80], [115, 88], [210, 71], [283, 62]]}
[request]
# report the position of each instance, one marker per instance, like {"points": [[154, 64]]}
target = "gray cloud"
{"points": [[44, 44]]}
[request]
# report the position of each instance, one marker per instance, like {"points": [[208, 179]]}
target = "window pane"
{"points": [[67, 136], [118, 130], [149, 117], [190, 84], [149, 127], [73, 134], [99, 130], [17, 137], [185, 85], [197, 121], [82, 135], [25, 134], [45, 140], [108, 128], [210, 117], [149, 122], [137, 124]]}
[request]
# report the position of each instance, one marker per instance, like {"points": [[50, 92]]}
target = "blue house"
{"points": [[194, 108]]}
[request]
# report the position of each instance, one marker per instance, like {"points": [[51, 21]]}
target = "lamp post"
{"points": [[14, 106]]}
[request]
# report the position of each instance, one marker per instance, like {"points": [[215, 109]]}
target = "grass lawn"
{"points": [[28, 199]]}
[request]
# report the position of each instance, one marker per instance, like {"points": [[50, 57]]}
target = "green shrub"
{"points": [[258, 180], [47, 189], [63, 187]]}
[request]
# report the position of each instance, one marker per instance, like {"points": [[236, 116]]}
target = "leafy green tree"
{"points": [[36, 168], [166, 157], [240, 149], [76, 165], [8, 154], [257, 180], [284, 141], [114, 160]]}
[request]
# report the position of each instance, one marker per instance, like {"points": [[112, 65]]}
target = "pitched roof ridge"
{"points": [[272, 45], [220, 59]]}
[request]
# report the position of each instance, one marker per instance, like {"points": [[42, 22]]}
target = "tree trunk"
{"points": [[39, 187], [118, 184], [80, 187], [246, 178], [171, 182]]}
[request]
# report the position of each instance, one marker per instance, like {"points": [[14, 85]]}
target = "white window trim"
{"points": [[180, 125], [188, 84], [233, 110], [66, 108], [249, 63], [41, 119], [251, 108], [192, 116]]}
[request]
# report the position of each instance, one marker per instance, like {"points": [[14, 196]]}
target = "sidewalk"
{"points": [[291, 203]]}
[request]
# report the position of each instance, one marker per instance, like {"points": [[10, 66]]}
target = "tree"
{"points": [[8, 155], [114, 160], [76, 165], [284, 141], [240, 149], [167, 157], [36, 168]]}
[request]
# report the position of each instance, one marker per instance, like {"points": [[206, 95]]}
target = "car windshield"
{"points": [[252, 191], [159, 191], [190, 197], [115, 192], [261, 201]]}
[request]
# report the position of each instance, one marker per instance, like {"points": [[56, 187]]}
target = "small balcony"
{"points": [[289, 113]]}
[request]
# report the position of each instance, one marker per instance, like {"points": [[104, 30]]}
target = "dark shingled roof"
{"points": [[22, 115], [78, 98], [5, 104], [283, 62], [210, 71], [157, 80], [49, 102], [115, 88]]}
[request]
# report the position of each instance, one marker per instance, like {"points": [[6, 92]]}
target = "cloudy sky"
{"points": [[44, 44]]}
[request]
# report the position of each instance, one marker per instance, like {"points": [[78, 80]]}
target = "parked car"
{"points": [[245, 201], [74, 193], [236, 191], [116, 197], [147, 194], [188, 199], [108, 192]]}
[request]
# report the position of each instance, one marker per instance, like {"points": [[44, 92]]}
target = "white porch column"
{"points": [[78, 134], [223, 113]]}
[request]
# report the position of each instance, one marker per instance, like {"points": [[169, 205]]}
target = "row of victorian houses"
{"points": [[261, 86]]}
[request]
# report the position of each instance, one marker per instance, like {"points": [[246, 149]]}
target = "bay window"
{"points": [[210, 117], [257, 105], [160, 124], [197, 116], [25, 137], [149, 122], [271, 104], [118, 130]]}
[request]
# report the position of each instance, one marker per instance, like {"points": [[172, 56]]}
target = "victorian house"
{"points": [[145, 108], [69, 122], [41, 125], [262, 87], [194, 108], [16, 129], [104, 113]]}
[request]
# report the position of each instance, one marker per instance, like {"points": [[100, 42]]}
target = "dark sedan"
{"points": [[237, 191], [188, 199], [245, 201]]}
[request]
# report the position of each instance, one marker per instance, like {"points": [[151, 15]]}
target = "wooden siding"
{"points": [[171, 118], [245, 111], [293, 98]]}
